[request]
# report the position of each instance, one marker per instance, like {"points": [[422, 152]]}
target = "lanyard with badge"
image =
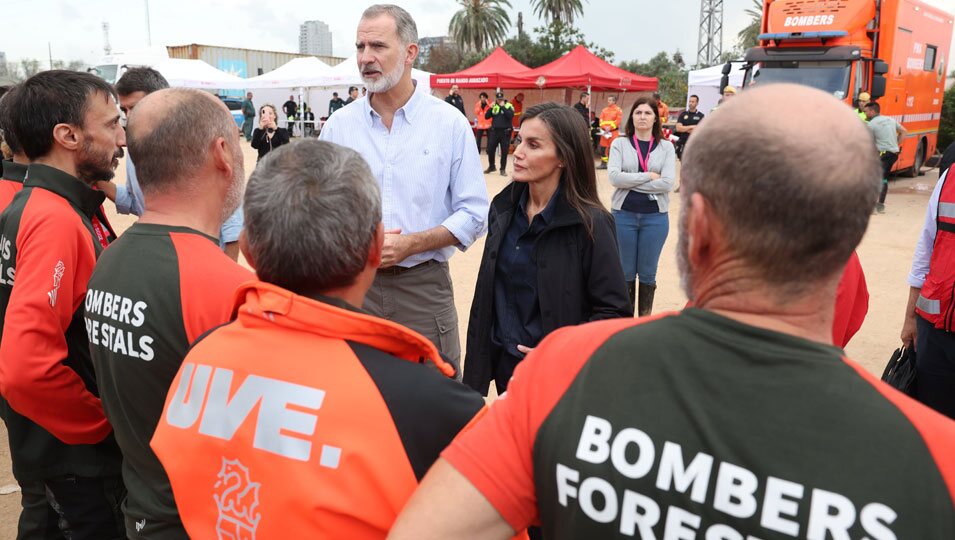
{"points": [[641, 160]]}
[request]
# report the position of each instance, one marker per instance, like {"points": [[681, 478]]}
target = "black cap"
{"points": [[499, 95]]}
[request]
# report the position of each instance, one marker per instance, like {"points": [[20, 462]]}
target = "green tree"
{"points": [[749, 37], [550, 43], [946, 129], [480, 24], [670, 71], [558, 10]]}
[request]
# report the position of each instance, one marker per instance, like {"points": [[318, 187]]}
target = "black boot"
{"points": [[489, 169], [632, 295], [645, 302]]}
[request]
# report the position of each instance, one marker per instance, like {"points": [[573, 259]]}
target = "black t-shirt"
{"points": [[688, 118], [290, 108]]}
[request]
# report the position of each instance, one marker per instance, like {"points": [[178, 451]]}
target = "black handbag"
{"points": [[900, 371]]}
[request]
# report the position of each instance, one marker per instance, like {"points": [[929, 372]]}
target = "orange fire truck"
{"points": [[893, 49]]}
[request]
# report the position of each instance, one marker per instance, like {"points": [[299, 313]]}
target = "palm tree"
{"points": [[749, 36], [558, 10], [480, 24]]}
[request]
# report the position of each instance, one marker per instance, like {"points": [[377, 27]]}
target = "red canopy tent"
{"points": [[484, 74], [579, 68]]}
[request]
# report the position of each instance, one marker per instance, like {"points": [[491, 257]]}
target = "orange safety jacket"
{"points": [[481, 112], [610, 120], [935, 303], [305, 418]]}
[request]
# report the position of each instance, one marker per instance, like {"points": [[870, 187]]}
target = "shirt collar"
{"points": [[14, 172], [547, 214], [407, 110], [65, 185]]}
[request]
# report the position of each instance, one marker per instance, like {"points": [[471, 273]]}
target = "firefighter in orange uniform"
{"points": [[610, 120], [306, 417]]}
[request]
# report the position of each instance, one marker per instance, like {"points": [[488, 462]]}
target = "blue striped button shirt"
{"points": [[427, 167]]}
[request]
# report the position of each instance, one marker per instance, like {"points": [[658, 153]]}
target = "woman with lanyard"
{"points": [[642, 167], [268, 135], [550, 258]]}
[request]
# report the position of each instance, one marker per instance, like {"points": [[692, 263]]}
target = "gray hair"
{"points": [[404, 24], [312, 209], [176, 144]]}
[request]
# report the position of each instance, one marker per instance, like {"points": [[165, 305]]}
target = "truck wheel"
{"points": [[919, 159]]}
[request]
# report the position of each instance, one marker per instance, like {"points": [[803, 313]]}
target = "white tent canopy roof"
{"points": [[299, 72], [185, 73]]}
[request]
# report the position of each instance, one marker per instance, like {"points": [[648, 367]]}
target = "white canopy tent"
{"points": [[302, 72], [185, 73], [705, 83]]}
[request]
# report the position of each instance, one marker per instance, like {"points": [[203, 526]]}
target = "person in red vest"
{"points": [[928, 326]]}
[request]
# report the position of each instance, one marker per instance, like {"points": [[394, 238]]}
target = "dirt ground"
{"points": [[886, 254]]}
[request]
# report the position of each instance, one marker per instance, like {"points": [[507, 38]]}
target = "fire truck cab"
{"points": [[893, 49]]}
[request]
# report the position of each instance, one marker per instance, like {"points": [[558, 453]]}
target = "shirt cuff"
{"points": [[916, 281], [464, 227]]}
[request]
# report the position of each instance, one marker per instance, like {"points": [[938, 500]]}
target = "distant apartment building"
{"points": [[314, 37], [426, 43]]}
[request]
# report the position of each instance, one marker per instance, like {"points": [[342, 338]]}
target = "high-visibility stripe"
{"points": [[932, 307], [946, 210]]}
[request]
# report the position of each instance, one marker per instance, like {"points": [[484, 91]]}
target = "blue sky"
{"points": [[640, 28]]}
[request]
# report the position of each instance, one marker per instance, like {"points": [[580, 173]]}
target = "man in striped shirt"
{"points": [[421, 150]]}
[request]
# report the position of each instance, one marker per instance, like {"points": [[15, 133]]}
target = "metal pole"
{"points": [[149, 31]]}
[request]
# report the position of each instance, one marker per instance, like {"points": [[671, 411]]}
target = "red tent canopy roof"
{"points": [[484, 74], [579, 68]]}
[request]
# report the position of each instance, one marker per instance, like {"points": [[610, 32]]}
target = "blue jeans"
{"points": [[640, 239]]}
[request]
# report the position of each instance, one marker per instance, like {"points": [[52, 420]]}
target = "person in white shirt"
{"points": [[422, 153]]}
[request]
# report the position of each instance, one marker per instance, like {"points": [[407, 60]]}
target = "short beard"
{"points": [[386, 82], [91, 168], [683, 258]]}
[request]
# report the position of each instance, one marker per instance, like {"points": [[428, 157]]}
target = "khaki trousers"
{"points": [[421, 298]]}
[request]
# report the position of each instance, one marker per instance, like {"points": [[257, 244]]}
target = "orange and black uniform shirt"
{"points": [[153, 293], [693, 425], [11, 182], [51, 402], [305, 418]]}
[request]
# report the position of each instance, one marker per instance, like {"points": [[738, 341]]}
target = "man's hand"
{"points": [[909, 333], [654, 176], [395, 248], [525, 349]]}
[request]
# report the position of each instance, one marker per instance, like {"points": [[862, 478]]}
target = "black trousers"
{"points": [[480, 134], [498, 138], [888, 160], [935, 367], [73, 507]]}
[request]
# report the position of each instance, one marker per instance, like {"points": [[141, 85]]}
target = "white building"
{"points": [[315, 38]]}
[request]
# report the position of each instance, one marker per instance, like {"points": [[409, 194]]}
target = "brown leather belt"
{"points": [[398, 270]]}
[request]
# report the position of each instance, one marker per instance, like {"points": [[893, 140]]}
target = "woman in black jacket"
{"points": [[268, 135], [550, 258]]}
